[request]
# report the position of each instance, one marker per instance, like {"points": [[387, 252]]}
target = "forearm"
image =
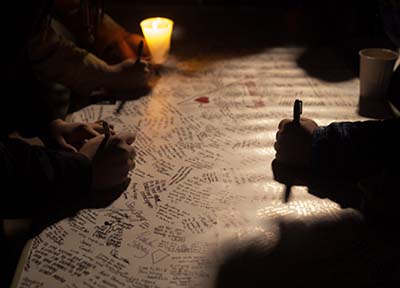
{"points": [[108, 32], [40, 181], [353, 150], [347, 155], [56, 59]]}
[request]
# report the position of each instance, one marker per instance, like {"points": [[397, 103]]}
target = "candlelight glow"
{"points": [[157, 32]]}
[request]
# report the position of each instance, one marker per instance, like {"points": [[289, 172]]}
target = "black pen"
{"points": [[139, 56], [140, 51], [107, 135], [297, 110]]}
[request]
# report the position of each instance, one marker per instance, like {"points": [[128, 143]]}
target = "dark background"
{"points": [[227, 28]]}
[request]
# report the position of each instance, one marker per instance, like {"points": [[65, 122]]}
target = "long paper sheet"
{"points": [[203, 182]]}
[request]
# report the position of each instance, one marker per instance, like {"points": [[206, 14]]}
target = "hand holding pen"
{"points": [[111, 157], [138, 59], [123, 80], [291, 165], [107, 134]]}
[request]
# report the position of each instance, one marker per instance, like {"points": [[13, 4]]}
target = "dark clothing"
{"points": [[40, 181], [356, 164], [35, 180]]}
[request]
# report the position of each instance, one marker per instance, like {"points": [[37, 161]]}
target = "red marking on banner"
{"points": [[202, 99], [259, 103]]}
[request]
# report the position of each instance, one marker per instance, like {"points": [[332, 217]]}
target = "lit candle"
{"points": [[157, 32]]}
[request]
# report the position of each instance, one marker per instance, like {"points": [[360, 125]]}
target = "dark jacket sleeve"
{"points": [[37, 181], [356, 163]]}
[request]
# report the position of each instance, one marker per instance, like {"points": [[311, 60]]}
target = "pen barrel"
{"points": [[107, 134], [288, 189], [140, 51], [297, 110], [296, 120]]}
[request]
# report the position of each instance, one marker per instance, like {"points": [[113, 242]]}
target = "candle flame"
{"points": [[156, 23]]}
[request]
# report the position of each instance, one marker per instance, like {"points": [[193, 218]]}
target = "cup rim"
{"points": [[169, 21], [393, 53]]}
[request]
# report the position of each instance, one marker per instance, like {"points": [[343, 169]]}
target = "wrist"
{"points": [[96, 75], [56, 122]]}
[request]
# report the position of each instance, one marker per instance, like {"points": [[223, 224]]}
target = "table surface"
{"points": [[203, 182]]}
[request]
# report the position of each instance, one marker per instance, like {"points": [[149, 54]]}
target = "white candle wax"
{"points": [[157, 32]]}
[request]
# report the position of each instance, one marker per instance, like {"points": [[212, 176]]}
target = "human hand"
{"points": [[125, 48], [71, 136], [112, 163], [293, 151], [127, 77]]}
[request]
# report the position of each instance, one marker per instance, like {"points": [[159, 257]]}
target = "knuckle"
{"points": [[277, 135], [283, 123], [276, 146]]}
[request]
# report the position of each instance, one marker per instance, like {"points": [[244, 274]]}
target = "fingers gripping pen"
{"points": [[139, 56]]}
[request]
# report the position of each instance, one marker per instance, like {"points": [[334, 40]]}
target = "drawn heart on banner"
{"points": [[202, 99]]}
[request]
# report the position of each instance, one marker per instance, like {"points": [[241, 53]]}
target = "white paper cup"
{"points": [[376, 69]]}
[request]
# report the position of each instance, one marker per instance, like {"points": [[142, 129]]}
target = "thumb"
{"points": [[64, 145], [128, 137]]}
